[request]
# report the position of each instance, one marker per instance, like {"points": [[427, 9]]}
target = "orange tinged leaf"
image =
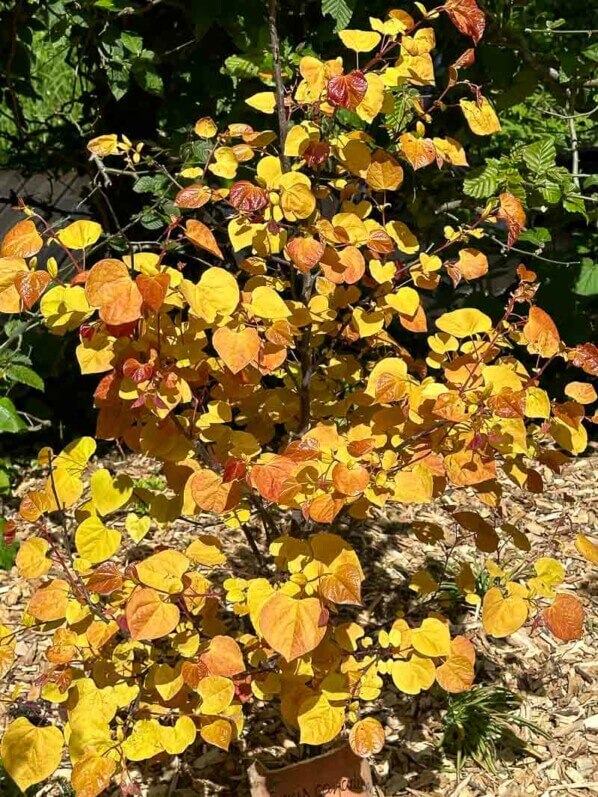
{"points": [[582, 392], [291, 627], [472, 263], [193, 196], [49, 602], [325, 508], [30, 285], [540, 333], [22, 240], [223, 657], [512, 213], [342, 586], [350, 481], [92, 775], [419, 152], [110, 288], [305, 253], [565, 618], [211, 494], [203, 237], [455, 675], [367, 737], [153, 289], [237, 348], [148, 616], [269, 479]]}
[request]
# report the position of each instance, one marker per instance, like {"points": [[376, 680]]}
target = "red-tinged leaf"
{"points": [[247, 197], [347, 91], [565, 618], [508, 404], [585, 356], [316, 153], [30, 286], [466, 59], [105, 579], [467, 17], [138, 372], [80, 278], [202, 236], [122, 330], [9, 532], [234, 470], [153, 289], [380, 242], [193, 196]]}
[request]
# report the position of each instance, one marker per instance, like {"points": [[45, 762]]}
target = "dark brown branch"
{"points": [[280, 108]]}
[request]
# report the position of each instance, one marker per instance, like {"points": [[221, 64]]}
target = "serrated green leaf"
{"points": [[484, 183], [539, 156], [340, 10], [575, 204], [10, 420], [238, 66]]}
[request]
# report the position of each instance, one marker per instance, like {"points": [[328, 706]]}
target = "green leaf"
{"points": [[148, 78], [540, 156], [484, 182], [340, 10], [536, 235], [10, 421], [575, 204], [151, 184], [587, 281], [239, 66], [132, 42], [8, 553], [25, 375]]}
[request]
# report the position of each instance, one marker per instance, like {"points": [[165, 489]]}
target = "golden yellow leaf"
{"points": [[95, 541], [432, 638], [464, 323], [108, 493], [80, 234], [205, 127], [216, 694], [178, 737], [31, 560], [413, 676], [587, 548], [30, 753], [216, 293], [163, 571], [319, 721], [503, 616], [481, 117], [264, 101], [361, 41]]}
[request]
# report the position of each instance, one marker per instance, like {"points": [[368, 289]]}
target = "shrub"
{"points": [[274, 356]]}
